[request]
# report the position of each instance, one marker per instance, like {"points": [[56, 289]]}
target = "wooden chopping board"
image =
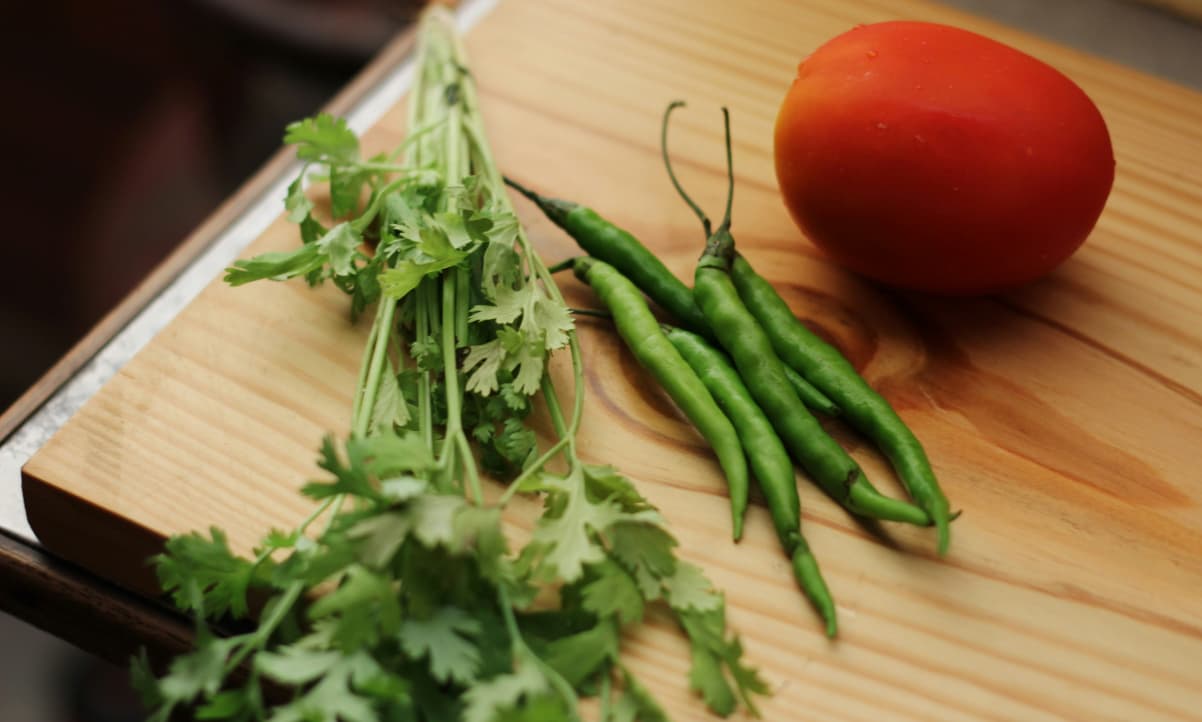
{"points": [[1065, 419]]}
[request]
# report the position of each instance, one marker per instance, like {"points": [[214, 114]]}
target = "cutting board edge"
{"points": [[66, 524]]}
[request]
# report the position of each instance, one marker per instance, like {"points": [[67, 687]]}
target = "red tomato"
{"points": [[932, 158]]}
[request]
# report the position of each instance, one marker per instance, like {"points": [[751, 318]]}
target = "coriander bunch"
{"points": [[409, 603]]}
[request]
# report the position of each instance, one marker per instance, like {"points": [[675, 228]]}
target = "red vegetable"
{"points": [[932, 158]]}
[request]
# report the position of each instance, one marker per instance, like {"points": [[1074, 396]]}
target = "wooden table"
{"points": [[1064, 418]]}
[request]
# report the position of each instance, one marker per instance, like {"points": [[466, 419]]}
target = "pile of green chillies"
{"points": [[748, 375]]}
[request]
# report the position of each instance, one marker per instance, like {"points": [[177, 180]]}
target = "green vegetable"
{"points": [[768, 458], [743, 338], [406, 602], [603, 240], [814, 399], [863, 407], [643, 336]]}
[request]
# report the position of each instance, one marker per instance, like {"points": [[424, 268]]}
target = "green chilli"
{"points": [[810, 395], [603, 240], [866, 410], [770, 462], [641, 332], [749, 346]]}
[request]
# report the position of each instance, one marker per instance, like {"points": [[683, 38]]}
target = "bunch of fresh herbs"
{"points": [[409, 603]]}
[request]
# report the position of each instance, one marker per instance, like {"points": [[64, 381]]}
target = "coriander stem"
{"points": [[523, 651], [424, 401], [553, 407], [455, 440], [463, 302], [266, 626], [364, 365], [469, 465], [379, 354], [361, 223], [533, 469]]}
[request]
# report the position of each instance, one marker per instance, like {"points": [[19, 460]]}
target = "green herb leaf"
{"points": [[324, 139], [646, 551], [488, 697], [334, 696], [193, 563], [296, 202], [636, 704], [688, 589], [444, 638], [613, 592]]}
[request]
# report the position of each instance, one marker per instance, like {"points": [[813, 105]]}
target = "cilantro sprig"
{"points": [[411, 602]]}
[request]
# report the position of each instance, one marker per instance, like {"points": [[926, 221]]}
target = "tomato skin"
{"points": [[932, 158]]}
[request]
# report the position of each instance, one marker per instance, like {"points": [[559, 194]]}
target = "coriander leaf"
{"points": [[505, 227], [711, 652], [486, 698], [646, 551], [278, 539], [366, 286], [606, 482], [379, 537], [334, 698], [454, 228], [146, 684], [350, 478], [444, 637], [201, 671], [636, 703], [231, 704], [323, 138], [390, 408], [427, 352], [501, 268], [515, 400], [276, 265], [543, 708], [403, 488], [338, 248], [346, 186], [398, 281], [543, 319], [479, 527], [340, 245], [551, 319], [613, 593], [365, 608], [388, 454], [221, 577], [516, 442], [747, 678], [311, 230], [296, 202], [687, 588], [433, 518], [296, 666], [706, 678], [530, 360], [571, 537], [483, 364], [507, 308], [577, 657]]}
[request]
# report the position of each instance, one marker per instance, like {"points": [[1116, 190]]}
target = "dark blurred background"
{"points": [[127, 121]]}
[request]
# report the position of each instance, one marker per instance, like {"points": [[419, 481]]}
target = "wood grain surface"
{"points": [[1064, 419]]}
